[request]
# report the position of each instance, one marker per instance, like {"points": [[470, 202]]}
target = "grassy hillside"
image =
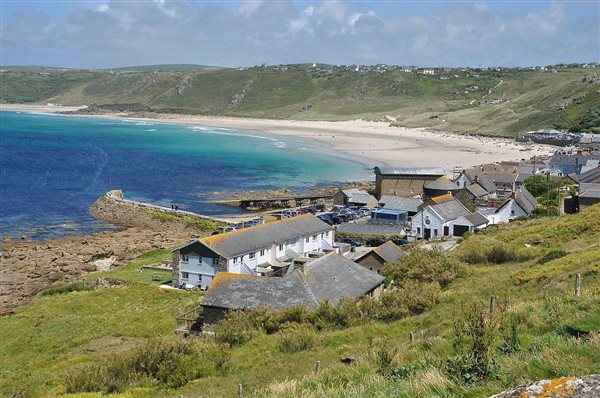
{"points": [[85, 339], [447, 100]]}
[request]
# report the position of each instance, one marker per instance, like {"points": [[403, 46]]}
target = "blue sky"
{"points": [[240, 33]]}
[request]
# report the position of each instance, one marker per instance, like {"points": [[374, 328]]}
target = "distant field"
{"points": [[474, 101]]}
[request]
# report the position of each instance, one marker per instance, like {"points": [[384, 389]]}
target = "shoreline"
{"points": [[368, 143]]}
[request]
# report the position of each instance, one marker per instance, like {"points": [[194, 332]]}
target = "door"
{"points": [[446, 230], [459, 230], [427, 233]]}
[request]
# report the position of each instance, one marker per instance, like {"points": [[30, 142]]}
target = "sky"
{"points": [[104, 34]]}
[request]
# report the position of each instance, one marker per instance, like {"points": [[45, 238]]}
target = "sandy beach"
{"points": [[376, 143]]}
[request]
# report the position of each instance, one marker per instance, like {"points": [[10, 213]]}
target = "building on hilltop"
{"points": [[404, 181], [329, 278], [262, 250]]}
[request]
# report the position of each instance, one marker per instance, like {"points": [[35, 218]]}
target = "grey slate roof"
{"points": [[426, 171], [571, 160], [391, 202], [477, 190], [526, 200], [235, 243], [477, 219], [592, 175], [589, 190], [482, 179], [389, 252], [236, 292], [330, 278], [334, 277], [450, 210], [521, 177], [361, 198], [368, 229]]}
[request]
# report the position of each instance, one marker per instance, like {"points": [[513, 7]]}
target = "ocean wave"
{"points": [[230, 132], [280, 144], [151, 130]]}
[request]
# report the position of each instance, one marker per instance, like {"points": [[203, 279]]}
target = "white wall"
{"points": [[436, 224], [200, 270]]}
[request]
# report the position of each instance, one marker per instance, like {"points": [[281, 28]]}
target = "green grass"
{"points": [[342, 95], [59, 334], [201, 224]]}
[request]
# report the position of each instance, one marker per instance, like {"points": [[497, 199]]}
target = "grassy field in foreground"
{"points": [[455, 100], [543, 331]]}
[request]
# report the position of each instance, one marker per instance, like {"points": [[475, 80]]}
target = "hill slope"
{"points": [[483, 102], [81, 339]]}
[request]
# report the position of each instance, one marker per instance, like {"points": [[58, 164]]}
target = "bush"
{"points": [[68, 287], [238, 327], [161, 362], [491, 251], [296, 337], [552, 255], [424, 266]]}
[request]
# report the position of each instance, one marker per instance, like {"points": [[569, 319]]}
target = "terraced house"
{"points": [[263, 250]]}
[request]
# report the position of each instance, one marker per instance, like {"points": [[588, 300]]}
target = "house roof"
{"points": [[441, 184], [361, 198], [476, 219], [389, 252], [334, 277], [246, 240], [521, 177], [592, 175], [564, 159], [239, 292], [589, 190], [482, 179], [477, 190], [524, 199], [330, 278], [443, 198], [397, 203], [450, 210], [425, 171]]}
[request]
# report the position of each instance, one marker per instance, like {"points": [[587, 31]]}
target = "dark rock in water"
{"points": [[565, 387]]}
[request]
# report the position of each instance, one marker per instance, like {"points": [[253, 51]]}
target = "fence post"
{"points": [[318, 368], [492, 303], [240, 390], [412, 337], [577, 285]]}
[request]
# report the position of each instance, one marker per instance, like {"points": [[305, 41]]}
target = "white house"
{"points": [[449, 218], [265, 249], [521, 203]]}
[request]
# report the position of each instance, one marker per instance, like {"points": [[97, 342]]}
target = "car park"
{"points": [[400, 241], [351, 241], [375, 242]]}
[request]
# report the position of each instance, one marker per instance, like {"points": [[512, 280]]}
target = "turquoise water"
{"points": [[54, 167]]}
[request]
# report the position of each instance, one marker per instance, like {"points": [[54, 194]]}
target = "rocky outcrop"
{"points": [[566, 387]]}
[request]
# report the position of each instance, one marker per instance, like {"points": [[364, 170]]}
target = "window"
{"points": [[215, 260], [307, 239], [236, 260], [512, 212], [435, 232], [262, 252], [280, 247], [419, 230], [185, 257], [314, 238], [185, 275], [252, 255]]}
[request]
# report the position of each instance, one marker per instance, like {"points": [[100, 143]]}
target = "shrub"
{"points": [[552, 255], [237, 328], [403, 372], [424, 266], [383, 355], [296, 338], [161, 362], [68, 287], [491, 251]]}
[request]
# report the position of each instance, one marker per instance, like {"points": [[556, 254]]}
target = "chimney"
{"points": [[512, 194]]}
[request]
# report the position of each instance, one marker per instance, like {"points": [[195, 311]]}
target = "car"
{"points": [[400, 241], [289, 213], [325, 218], [351, 241], [364, 211], [230, 228], [375, 242]]}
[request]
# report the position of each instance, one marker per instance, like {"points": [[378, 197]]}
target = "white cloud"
{"points": [[102, 8]]}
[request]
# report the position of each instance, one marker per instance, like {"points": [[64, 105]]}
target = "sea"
{"points": [[53, 167]]}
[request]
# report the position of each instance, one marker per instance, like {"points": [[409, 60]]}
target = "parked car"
{"points": [[351, 241], [375, 242], [289, 213], [364, 211], [325, 218], [401, 241]]}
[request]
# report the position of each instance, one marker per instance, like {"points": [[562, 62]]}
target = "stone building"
{"points": [[404, 181]]}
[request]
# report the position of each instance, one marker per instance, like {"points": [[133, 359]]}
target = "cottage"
{"points": [[266, 250], [472, 194], [354, 197], [377, 258], [521, 203], [589, 188], [404, 181], [570, 163], [444, 219], [329, 278]]}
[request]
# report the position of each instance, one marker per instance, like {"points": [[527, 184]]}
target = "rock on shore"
{"points": [[565, 387]]}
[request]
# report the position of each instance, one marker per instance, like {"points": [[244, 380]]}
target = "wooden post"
{"points": [[492, 303], [240, 390], [412, 337], [318, 368], [577, 285]]}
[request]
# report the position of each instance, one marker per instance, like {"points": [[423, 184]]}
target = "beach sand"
{"points": [[376, 143]]}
